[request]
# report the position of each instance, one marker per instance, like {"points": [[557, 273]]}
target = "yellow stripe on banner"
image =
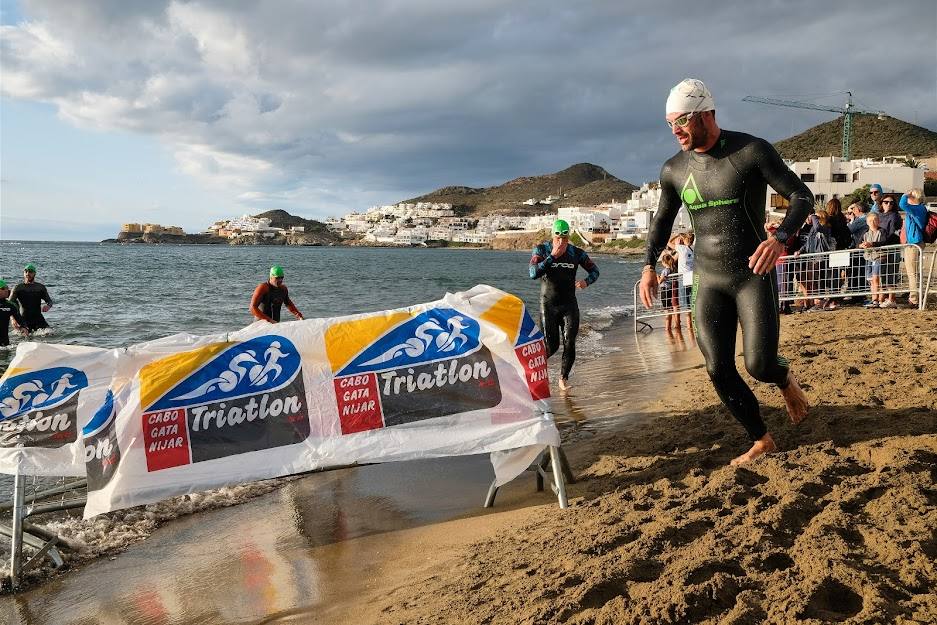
{"points": [[161, 375], [506, 314], [344, 341], [9, 373]]}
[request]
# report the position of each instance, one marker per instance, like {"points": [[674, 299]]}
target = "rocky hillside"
{"points": [[871, 138], [583, 184]]}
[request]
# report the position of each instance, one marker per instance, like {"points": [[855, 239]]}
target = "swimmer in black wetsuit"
{"points": [[8, 310], [721, 177], [29, 295], [270, 296], [555, 263]]}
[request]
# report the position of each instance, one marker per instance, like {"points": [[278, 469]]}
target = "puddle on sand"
{"points": [[304, 550]]}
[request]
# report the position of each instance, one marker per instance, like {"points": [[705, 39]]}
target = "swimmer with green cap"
{"points": [[8, 311], [270, 296], [555, 263], [32, 299]]}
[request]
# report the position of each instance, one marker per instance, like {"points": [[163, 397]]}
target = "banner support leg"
{"points": [[16, 541], [558, 478]]}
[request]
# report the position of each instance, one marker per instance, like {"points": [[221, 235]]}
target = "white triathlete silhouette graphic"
{"points": [[258, 374], [426, 334], [32, 394], [228, 380]]}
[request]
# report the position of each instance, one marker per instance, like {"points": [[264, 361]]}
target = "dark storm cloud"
{"points": [[330, 106]]}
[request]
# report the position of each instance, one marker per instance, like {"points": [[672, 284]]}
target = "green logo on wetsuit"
{"points": [[690, 193]]}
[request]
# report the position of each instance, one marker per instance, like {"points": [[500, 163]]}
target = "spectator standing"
{"points": [[873, 263], [819, 241], [685, 261], [857, 228], [890, 224], [915, 220]]}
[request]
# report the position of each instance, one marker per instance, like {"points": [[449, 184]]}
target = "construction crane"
{"points": [[847, 113]]}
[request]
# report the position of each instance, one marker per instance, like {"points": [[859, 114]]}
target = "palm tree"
{"points": [[911, 162]]}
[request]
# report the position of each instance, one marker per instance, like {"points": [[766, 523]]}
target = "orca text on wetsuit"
{"points": [[29, 296], [558, 305], [267, 301], [724, 191]]}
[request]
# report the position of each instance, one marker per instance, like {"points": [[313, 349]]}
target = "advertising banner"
{"points": [[47, 395], [463, 375]]}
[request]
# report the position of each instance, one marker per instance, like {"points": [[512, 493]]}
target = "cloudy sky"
{"points": [[182, 112]]}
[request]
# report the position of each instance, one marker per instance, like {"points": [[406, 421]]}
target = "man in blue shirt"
{"points": [[915, 219]]}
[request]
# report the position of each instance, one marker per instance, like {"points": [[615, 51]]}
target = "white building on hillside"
{"points": [[831, 175]]}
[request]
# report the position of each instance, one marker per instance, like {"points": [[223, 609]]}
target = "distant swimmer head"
{"points": [[875, 189], [30, 268], [560, 228], [690, 96], [276, 271]]}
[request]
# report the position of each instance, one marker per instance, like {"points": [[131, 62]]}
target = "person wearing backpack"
{"points": [[912, 233], [819, 241]]}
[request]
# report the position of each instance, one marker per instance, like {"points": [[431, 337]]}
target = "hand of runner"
{"points": [[648, 288], [762, 261], [46, 308], [581, 284]]}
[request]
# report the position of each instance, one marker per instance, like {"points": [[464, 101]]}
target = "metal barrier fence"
{"points": [[881, 271], [673, 298]]}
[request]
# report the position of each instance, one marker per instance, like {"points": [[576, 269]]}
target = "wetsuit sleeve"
{"points": [[290, 306], [586, 263], [540, 261], [662, 224], [14, 295], [44, 296], [788, 184], [259, 293]]}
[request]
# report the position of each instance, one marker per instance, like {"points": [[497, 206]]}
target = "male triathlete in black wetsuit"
{"points": [[29, 295], [270, 296], [7, 310], [721, 177], [555, 263]]}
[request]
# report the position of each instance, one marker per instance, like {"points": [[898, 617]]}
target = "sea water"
{"points": [[110, 295]]}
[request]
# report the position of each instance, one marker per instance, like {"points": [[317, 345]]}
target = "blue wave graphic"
{"points": [[529, 331], [436, 334], [35, 390], [255, 366], [102, 417]]}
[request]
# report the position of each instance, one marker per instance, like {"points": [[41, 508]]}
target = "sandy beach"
{"points": [[839, 526]]}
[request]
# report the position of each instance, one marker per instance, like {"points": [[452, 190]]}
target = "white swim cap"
{"points": [[690, 96]]}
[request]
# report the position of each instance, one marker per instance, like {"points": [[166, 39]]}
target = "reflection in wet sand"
{"points": [[312, 549]]}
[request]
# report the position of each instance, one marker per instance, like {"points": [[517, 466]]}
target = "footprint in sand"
{"points": [[832, 601]]}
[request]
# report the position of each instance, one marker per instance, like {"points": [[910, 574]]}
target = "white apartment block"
{"points": [[410, 236], [540, 222], [588, 219], [472, 236], [831, 175], [440, 233]]}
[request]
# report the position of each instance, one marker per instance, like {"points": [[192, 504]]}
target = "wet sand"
{"points": [[837, 526]]}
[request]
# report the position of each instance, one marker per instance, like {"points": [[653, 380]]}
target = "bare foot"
{"points": [[795, 399], [764, 445], [564, 384]]}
